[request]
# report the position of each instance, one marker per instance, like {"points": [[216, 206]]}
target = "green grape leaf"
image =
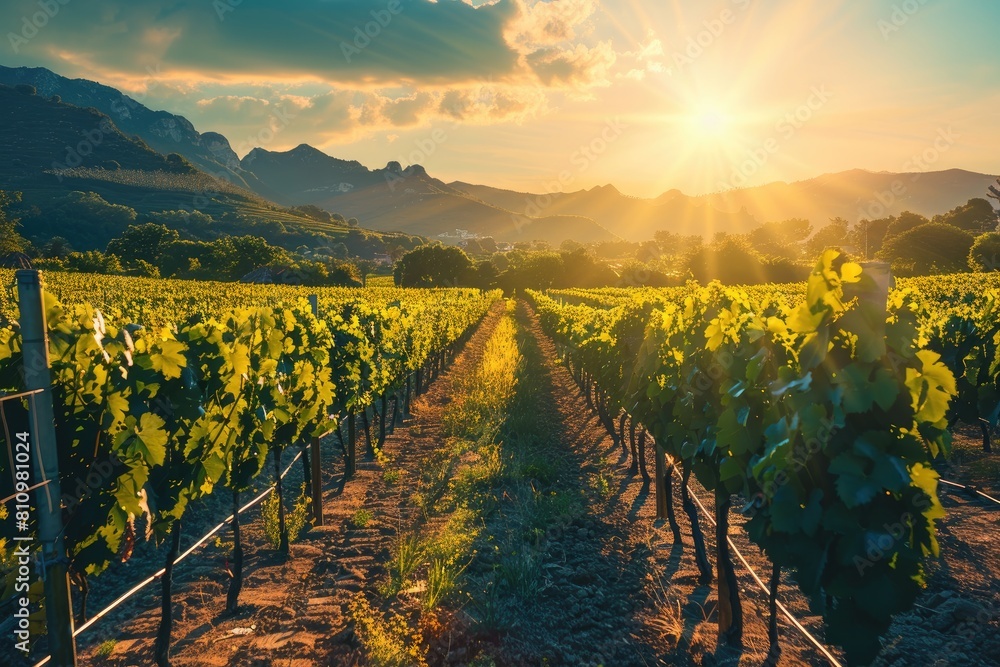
{"points": [[170, 359], [151, 433]]}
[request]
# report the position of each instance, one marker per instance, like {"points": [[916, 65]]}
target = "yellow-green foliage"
{"points": [[388, 641], [488, 391], [295, 520]]}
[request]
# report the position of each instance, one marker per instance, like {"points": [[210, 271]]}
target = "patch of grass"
{"points": [[407, 555], [556, 508], [454, 541], [601, 483], [107, 647], [296, 520], [519, 570], [487, 605], [483, 661], [223, 544], [442, 579], [361, 518], [392, 476], [387, 641]]}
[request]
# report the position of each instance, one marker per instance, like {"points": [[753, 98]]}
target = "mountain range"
{"points": [[411, 201]]}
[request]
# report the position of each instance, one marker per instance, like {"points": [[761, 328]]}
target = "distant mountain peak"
{"points": [[306, 149]]}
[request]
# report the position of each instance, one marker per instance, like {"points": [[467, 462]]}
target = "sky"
{"points": [[648, 95]]}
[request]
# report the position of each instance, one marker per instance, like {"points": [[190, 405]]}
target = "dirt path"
{"points": [[645, 598], [294, 612], [955, 622], [612, 587]]}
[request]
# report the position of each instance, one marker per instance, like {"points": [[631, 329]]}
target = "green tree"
{"points": [[985, 252], [473, 247], [94, 261], [904, 222], [142, 242], [56, 247], [10, 239], [569, 245], [781, 239], [486, 274], [930, 248], [538, 270], [976, 215], [185, 259], [581, 269], [195, 220], [239, 255], [833, 235], [488, 244], [365, 269], [868, 235], [728, 259], [433, 266]]}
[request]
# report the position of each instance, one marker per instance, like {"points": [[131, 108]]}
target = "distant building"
{"points": [[457, 236], [266, 275]]}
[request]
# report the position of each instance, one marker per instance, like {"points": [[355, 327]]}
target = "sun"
{"points": [[710, 123]]}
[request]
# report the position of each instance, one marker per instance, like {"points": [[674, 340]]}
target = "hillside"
{"points": [[853, 195], [50, 149], [632, 218], [857, 194], [392, 199], [305, 175], [162, 131], [409, 200]]}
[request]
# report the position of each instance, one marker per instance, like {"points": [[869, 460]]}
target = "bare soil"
{"points": [[617, 589]]}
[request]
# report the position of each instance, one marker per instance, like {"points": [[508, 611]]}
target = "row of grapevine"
{"points": [[152, 419], [957, 317], [823, 414]]}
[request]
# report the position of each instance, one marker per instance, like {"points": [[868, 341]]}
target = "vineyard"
{"points": [[183, 405], [815, 417]]}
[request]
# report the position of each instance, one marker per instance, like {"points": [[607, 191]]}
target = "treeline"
{"points": [[86, 221], [154, 251], [449, 266], [962, 239]]}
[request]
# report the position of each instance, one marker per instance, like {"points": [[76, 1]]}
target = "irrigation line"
{"points": [[11, 397], [815, 642], [28, 490], [138, 587], [968, 488], [760, 583]]}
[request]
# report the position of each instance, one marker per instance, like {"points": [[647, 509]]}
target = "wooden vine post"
{"points": [[35, 341], [316, 478], [661, 482], [352, 446]]}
